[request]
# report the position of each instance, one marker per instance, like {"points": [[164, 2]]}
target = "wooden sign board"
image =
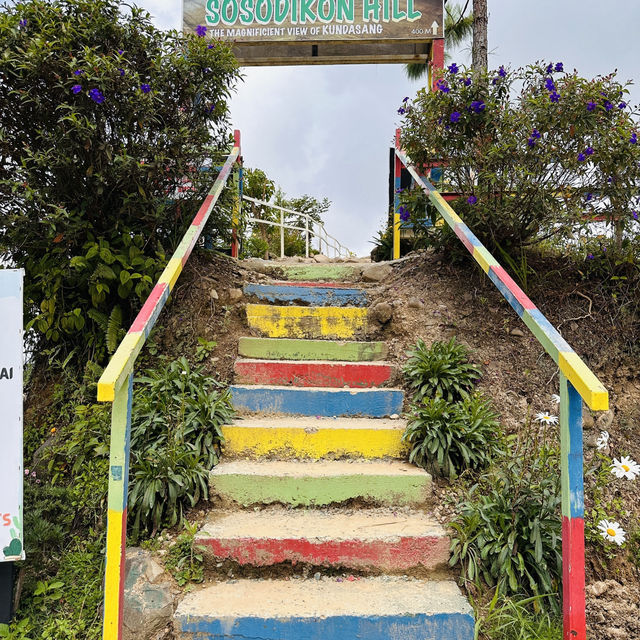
{"points": [[273, 32]]}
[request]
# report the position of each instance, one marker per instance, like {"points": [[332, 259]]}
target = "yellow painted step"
{"points": [[332, 323], [314, 438]]}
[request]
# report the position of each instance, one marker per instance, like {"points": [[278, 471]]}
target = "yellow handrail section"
{"points": [[116, 386]]}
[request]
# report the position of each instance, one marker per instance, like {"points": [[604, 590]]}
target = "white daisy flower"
{"points": [[547, 418], [625, 468], [602, 441], [612, 531], [555, 398]]}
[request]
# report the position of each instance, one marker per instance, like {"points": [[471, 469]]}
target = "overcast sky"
{"points": [[326, 130]]}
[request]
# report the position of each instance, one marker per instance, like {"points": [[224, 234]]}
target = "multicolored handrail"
{"points": [[577, 382], [116, 386]]}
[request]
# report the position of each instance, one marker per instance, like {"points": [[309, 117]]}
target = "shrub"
{"points": [[508, 533], [448, 438], [534, 151], [440, 371], [103, 117]]}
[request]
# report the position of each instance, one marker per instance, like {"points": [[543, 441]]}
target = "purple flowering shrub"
{"points": [[103, 117], [524, 148]]}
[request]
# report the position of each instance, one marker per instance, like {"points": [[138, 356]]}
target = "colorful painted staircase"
{"points": [[313, 475]]}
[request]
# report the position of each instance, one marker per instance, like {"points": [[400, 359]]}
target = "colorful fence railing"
{"points": [[116, 386], [577, 382]]}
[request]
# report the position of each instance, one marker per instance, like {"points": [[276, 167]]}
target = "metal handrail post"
{"points": [[282, 234]]}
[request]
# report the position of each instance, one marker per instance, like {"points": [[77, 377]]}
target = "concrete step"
{"points": [[375, 403], [315, 484], [312, 373], [293, 349], [365, 539], [381, 608], [315, 272], [315, 294], [332, 323], [315, 438]]}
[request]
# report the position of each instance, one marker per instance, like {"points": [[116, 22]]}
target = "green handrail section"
{"points": [[577, 382], [116, 386]]}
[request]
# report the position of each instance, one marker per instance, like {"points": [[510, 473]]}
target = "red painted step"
{"points": [[312, 373], [374, 539]]}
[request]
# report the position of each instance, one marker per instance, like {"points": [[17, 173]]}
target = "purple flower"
{"points": [[478, 106], [455, 116], [121, 72], [405, 99], [559, 67], [201, 31], [404, 214], [501, 72], [400, 190], [78, 72], [634, 138], [209, 46], [96, 95], [535, 134], [589, 151], [77, 88], [581, 157], [622, 105], [589, 196], [466, 81], [608, 105], [120, 52], [549, 68], [23, 23], [604, 249], [453, 68], [494, 81], [634, 215], [591, 106], [402, 111], [554, 96], [549, 84], [145, 88], [531, 142], [443, 86], [472, 199], [211, 108], [590, 256]]}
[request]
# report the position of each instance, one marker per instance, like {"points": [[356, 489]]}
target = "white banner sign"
{"points": [[11, 466]]}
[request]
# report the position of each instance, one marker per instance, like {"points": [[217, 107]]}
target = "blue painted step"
{"points": [[324, 296], [366, 609], [374, 403]]}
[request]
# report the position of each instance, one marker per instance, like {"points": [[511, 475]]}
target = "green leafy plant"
{"points": [[448, 438], [508, 531], [176, 430], [185, 560], [440, 371]]}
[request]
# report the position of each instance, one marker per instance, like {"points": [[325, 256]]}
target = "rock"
{"points": [[414, 303], [598, 588], [587, 419], [467, 297], [376, 272], [381, 312], [319, 257], [213, 294], [517, 332], [261, 266], [604, 420], [394, 416], [235, 295], [148, 600]]}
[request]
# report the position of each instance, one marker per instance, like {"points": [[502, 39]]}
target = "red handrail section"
{"points": [[116, 386], [577, 383]]}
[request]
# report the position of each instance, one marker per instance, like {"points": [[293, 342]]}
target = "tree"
{"points": [[479, 47], [458, 26], [104, 117]]}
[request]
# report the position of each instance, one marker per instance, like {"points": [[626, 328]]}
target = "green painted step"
{"points": [[294, 349], [311, 272], [294, 483]]}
